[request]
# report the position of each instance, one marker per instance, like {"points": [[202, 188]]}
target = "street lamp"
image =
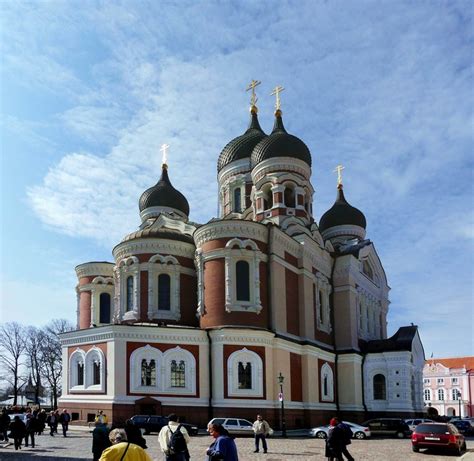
{"points": [[458, 397], [281, 378]]}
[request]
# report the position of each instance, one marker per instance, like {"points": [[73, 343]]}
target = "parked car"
{"points": [[412, 423], [154, 424], [388, 426], [235, 426], [462, 425], [438, 435], [358, 431]]}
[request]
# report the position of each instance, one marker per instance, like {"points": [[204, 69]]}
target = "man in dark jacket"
{"points": [[17, 429], [336, 441], [100, 440], [134, 434], [64, 419], [30, 429], [4, 424]]}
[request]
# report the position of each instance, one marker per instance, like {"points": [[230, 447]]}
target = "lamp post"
{"points": [[458, 396], [281, 378]]}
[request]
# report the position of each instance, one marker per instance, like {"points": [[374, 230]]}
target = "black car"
{"points": [[392, 427], [155, 423], [463, 426]]}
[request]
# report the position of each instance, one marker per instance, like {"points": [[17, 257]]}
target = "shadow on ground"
{"points": [[18, 456]]}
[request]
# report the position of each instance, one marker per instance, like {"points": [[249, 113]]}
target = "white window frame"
{"points": [[326, 371], [427, 392], [455, 381], [454, 394], [440, 381], [426, 381], [169, 265], [78, 356], [94, 355], [323, 322], [244, 355], [179, 354], [147, 353], [438, 394], [253, 256], [129, 267], [238, 184], [101, 285]]}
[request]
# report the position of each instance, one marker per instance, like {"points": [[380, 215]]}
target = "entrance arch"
{"points": [[450, 411]]}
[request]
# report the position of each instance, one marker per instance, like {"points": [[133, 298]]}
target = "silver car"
{"points": [[235, 426], [412, 423], [358, 431]]}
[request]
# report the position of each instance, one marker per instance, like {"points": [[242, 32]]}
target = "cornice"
{"points": [[230, 229], [288, 243], [238, 167], [90, 269], [153, 245], [250, 337], [280, 164], [337, 231]]}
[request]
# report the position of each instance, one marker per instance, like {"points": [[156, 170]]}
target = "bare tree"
{"points": [[51, 365], [12, 347], [34, 340]]}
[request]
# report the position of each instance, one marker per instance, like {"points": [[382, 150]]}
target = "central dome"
{"points": [[280, 144]]}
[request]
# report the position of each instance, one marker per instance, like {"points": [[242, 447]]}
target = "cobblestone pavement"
{"points": [[77, 446]]}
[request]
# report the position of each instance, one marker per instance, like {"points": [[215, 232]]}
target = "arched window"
{"points": [[148, 372], [96, 372], [242, 270], [289, 197], [441, 394], [129, 304], [327, 383], [164, 292], [237, 200], [95, 369], [178, 373], [380, 387], [104, 309], [245, 375], [267, 197], [427, 395], [80, 374]]}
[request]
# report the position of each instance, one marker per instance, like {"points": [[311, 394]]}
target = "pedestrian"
{"points": [[347, 439], [64, 419], [52, 422], [42, 416], [261, 430], [121, 450], [335, 442], [174, 439], [100, 440], [17, 431], [30, 428], [4, 424], [223, 447], [56, 413], [134, 434], [101, 417]]}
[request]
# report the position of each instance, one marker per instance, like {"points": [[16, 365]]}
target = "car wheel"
{"points": [[400, 435], [321, 435], [359, 435], [415, 449]]}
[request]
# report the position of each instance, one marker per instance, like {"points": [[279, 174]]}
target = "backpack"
{"points": [[347, 433], [177, 443]]}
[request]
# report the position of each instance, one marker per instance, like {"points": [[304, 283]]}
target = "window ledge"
{"points": [[243, 307]]}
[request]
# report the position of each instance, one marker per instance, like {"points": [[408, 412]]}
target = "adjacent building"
{"points": [[201, 319]]}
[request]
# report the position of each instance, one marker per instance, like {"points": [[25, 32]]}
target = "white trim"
{"points": [[129, 267], [94, 356], [249, 357], [326, 372]]}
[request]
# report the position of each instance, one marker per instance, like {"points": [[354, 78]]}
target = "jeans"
{"points": [[17, 441], [32, 436], [259, 437], [346, 453], [65, 428]]}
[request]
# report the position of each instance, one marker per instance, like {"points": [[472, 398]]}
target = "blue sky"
{"points": [[90, 90]]}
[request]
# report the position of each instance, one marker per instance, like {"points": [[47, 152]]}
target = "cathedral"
{"points": [[259, 307]]}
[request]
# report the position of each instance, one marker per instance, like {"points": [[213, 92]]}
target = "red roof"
{"points": [[455, 362]]}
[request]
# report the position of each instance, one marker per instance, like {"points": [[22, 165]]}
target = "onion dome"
{"points": [[242, 146], [341, 214], [163, 195], [280, 144]]}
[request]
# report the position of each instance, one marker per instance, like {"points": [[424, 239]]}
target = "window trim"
{"points": [[129, 267], [327, 372], [244, 355]]}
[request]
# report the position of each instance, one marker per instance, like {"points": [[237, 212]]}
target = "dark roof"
{"points": [[149, 232], [280, 144], [341, 213], [401, 341], [242, 146], [165, 195]]}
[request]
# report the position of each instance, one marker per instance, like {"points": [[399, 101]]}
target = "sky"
{"points": [[90, 90]]}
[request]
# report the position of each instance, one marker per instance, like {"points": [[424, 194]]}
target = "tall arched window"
{"points": [[427, 395], [242, 270], [148, 372], [245, 375], [178, 373], [267, 197], [380, 387], [440, 394], [456, 394], [164, 292], [129, 304], [289, 197], [327, 383], [237, 200], [104, 309], [96, 372], [80, 374]]}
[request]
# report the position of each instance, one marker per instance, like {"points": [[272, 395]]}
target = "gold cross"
{"points": [[164, 148], [278, 89], [252, 85], [338, 170]]}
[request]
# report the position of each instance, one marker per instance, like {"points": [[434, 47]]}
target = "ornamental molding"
{"points": [[230, 229], [162, 211], [239, 337], [104, 269], [234, 168], [280, 164], [338, 231], [153, 245], [288, 243]]}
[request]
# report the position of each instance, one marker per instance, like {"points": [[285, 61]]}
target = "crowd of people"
{"points": [[128, 444]]}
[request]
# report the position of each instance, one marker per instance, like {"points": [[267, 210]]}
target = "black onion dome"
{"points": [[242, 146], [163, 194], [341, 214], [280, 144]]}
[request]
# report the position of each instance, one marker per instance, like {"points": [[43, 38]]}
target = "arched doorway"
{"points": [[450, 411]]}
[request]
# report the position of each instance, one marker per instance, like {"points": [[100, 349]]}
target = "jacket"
{"points": [[134, 453], [261, 427], [165, 435], [223, 449]]}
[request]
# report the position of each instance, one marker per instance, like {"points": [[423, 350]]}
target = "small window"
{"points": [[268, 198], [96, 372], [427, 394], [80, 374], [426, 381], [178, 373], [104, 310], [454, 380], [242, 270], [440, 394], [289, 197], [245, 375], [456, 394], [129, 293], [237, 200], [164, 292], [148, 373], [440, 381], [380, 391]]}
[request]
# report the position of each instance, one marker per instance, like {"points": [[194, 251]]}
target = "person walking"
{"points": [[30, 429], [101, 417], [223, 447], [336, 441], [122, 450], [64, 419], [347, 439], [174, 439], [4, 424], [52, 422], [42, 416], [134, 434], [261, 430], [100, 440], [17, 430]]}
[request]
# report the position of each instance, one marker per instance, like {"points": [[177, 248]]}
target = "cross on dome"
{"points": [[277, 90], [338, 170], [164, 150], [252, 85]]}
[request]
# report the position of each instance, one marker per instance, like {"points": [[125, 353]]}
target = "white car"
{"points": [[235, 426], [412, 423], [358, 431]]}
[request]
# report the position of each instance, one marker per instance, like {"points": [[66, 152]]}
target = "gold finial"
{"points": [[253, 99], [277, 90], [338, 170], [164, 150]]}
